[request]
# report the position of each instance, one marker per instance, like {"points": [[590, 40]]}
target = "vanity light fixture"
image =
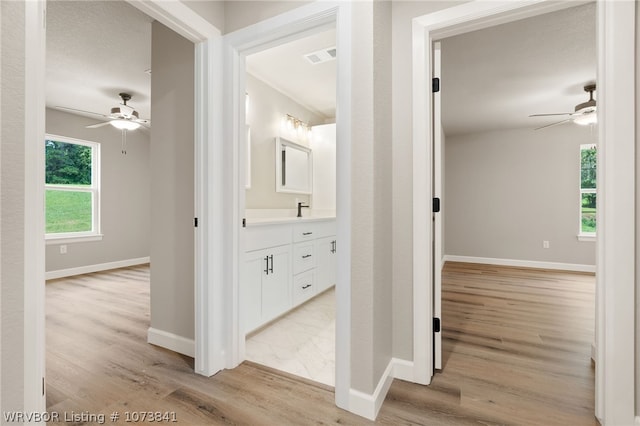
{"points": [[293, 124]]}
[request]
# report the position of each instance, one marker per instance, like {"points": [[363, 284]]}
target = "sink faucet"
{"points": [[300, 206]]}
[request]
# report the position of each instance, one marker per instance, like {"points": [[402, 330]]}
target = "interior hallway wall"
{"points": [[124, 194], [12, 198], [172, 183]]}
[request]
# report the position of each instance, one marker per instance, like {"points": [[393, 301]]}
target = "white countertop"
{"points": [[255, 217]]}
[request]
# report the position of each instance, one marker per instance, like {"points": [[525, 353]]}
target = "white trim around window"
{"points": [[93, 189]]}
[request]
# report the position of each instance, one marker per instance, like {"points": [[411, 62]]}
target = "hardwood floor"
{"points": [[516, 351]]}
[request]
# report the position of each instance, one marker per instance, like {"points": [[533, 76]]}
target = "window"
{"points": [[72, 189], [588, 156]]}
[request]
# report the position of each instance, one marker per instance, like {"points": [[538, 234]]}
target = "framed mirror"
{"points": [[294, 167]]}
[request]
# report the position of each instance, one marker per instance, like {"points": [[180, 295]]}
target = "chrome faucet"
{"points": [[300, 207]]}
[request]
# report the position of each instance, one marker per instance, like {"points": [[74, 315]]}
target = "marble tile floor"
{"points": [[302, 342]]}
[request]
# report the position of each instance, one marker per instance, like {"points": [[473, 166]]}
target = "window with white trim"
{"points": [[72, 189], [588, 157]]}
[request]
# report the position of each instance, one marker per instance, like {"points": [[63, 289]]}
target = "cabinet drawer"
{"points": [[304, 232], [260, 237], [304, 286], [303, 257]]}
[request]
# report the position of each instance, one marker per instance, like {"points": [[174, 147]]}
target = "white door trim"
{"points": [[615, 304], [615, 285], [236, 46], [34, 219]]}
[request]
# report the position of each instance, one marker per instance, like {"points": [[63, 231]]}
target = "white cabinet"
{"points": [[326, 249], [266, 288], [285, 265]]}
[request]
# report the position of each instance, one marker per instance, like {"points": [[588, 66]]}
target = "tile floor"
{"points": [[302, 342]]}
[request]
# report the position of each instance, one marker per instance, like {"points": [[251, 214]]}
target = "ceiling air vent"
{"points": [[321, 56]]}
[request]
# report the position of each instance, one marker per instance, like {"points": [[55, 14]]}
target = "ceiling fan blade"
{"points": [[95, 126], [554, 124], [80, 110], [548, 115]]}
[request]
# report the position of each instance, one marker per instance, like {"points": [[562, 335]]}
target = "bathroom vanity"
{"points": [[287, 261]]}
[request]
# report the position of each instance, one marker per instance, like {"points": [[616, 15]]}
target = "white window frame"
{"points": [[94, 189], [584, 236]]}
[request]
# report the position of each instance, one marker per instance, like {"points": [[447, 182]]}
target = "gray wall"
{"points": [[172, 187], [383, 200], [12, 169], [507, 191], [124, 193], [240, 14], [212, 11], [266, 109], [637, 63]]}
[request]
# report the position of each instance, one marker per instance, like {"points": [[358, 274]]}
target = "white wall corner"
{"points": [[171, 341], [366, 405], [61, 273]]}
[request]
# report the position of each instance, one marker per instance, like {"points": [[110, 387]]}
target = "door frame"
{"points": [[615, 305], [186, 22], [208, 184], [235, 47]]}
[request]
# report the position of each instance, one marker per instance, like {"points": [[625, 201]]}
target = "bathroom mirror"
{"points": [[294, 164]]}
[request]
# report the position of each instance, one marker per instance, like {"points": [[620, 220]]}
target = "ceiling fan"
{"points": [[585, 113], [122, 117]]}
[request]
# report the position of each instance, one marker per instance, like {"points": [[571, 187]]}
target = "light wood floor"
{"points": [[516, 351]]}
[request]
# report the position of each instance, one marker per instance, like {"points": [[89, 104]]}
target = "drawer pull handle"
{"points": [[307, 233], [306, 256], [304, 287]]}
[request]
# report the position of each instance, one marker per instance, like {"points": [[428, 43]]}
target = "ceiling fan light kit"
{"points": [[123, 124], [585, 113]]}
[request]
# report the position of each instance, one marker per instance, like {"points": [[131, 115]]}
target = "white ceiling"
{"points": [[285, 68], [495, 78], [95, 50]]}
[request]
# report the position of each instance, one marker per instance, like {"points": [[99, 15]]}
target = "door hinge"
{"points": [[43, 387], [195, 222], [436, 205], [244, 222], [436, 325], [435, 85]]}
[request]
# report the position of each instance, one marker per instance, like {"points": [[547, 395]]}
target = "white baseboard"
{"points": [[368, 406], [61, 273], [403, 369], [171, 341], [574, 267]]}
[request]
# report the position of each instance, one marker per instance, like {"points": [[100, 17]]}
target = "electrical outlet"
{"points": [[63, 249], [545, 244]]}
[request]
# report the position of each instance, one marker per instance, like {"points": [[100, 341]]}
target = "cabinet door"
{"points": [[276, 284], [251, 289], [326, 250]]}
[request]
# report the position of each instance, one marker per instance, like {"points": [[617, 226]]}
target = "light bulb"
{"points": [[588, 118], [124, 124]]}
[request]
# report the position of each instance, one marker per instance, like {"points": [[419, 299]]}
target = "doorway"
{"points": [[474, 17], [290, 90]]}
